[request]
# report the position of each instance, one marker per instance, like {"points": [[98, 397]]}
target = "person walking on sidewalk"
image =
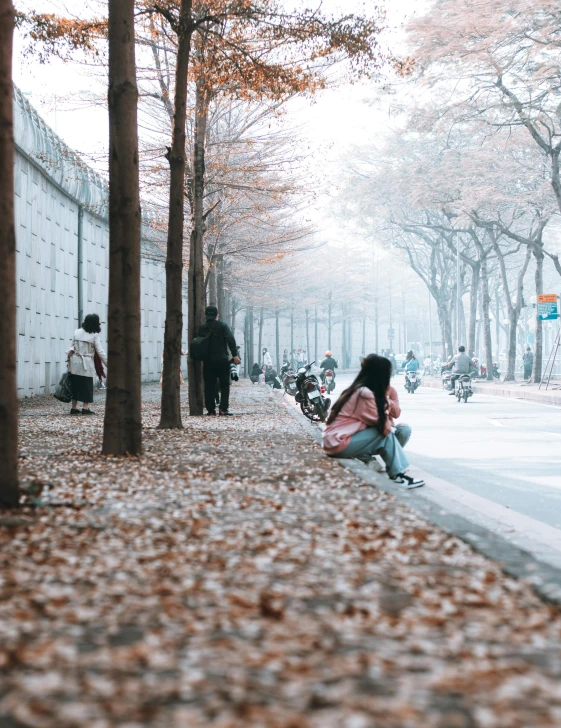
{"points": [[528, 361], [85, 345], [361, 422], [217, 365]]}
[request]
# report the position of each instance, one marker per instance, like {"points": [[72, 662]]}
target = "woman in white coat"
{"points": [[85, 345]]}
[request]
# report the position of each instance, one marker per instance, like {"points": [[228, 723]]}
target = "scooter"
{"points": [[463, 389], [311, 395], [329, 380], [412, 381]]}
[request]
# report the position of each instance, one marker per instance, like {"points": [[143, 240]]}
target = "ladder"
{"points": [[551, 362]]}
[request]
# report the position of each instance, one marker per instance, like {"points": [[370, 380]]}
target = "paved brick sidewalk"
{"points": [[234, 576]]}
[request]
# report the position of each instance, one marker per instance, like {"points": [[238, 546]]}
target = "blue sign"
{"points": [[547, 307]]}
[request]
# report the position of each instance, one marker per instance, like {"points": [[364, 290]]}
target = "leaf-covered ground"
{"points": [[235, 576]]}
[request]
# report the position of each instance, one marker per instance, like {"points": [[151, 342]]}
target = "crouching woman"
{"points": [[361, 423]]}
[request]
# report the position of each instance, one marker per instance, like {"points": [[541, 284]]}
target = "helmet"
{"points": [[410, 353], [328, 353]]}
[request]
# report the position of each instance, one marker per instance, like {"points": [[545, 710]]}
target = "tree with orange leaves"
{"points": [[255, 49]]}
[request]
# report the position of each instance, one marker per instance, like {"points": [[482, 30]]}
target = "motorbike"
{"points": [[463, 388], [496, 371], [446, 377], [288, 378], [328, 378], [412, 381], [310, 395]]}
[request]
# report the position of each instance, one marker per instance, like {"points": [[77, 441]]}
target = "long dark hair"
{"points": [[375, 374], [91, 324]]}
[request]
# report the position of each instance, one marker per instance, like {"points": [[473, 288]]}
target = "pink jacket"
{"points": [[358, 413]]}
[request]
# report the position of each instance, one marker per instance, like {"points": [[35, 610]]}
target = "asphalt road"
{"points": [[496, 461]]}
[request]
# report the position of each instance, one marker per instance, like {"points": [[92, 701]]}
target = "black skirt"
{"points": [[82, 388]]}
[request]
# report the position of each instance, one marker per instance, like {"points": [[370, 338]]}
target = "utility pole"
{"points": [[430, 327]]}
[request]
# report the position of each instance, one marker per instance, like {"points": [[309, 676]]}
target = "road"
{"points": [[494, 461]]}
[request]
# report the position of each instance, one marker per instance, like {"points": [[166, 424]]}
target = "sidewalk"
{"points": [[514, 390], [236, 577]]}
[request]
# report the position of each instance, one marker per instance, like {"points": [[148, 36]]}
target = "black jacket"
{"points": [[221, 339], [328, 363]]}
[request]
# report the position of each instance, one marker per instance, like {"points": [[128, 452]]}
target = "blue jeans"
{"points": [[369, 442]]}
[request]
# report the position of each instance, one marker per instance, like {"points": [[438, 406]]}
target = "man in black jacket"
{"points": [[217, 365]]}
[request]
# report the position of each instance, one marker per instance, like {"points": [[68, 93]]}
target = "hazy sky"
{"points": [[337, 119]]}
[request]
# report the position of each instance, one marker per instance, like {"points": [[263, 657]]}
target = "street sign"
{"points": [[547, 307]]}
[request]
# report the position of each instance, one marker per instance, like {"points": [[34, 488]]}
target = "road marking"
{"points": [[495, 422]]}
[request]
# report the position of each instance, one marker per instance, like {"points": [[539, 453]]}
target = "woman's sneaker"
{"points": [[408, 481]]}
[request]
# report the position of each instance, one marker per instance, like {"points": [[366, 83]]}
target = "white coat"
{"points": [[81, 355]]}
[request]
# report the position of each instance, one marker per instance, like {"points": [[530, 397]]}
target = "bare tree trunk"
{"points": [[9, 491], [376, 326], [260, 347], [485, 305], [251, 351], [122, 427], [473, 293], [315, 334], [307, 336], [233, 316], [364, 335], [329, 321], [171, 401], [344, 339], [292, 360], [277, 341], [220, 293], [463, 329], [212, 296], [196, 292], [246, 343], [350, 340], [538, 354]]}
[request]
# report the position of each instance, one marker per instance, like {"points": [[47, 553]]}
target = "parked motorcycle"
{"points": [[288, 379], [311, 395], [412, 381], [463, 388], [496, 371], [446, 378]]}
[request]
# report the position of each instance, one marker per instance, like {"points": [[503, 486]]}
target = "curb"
{"points": [[527, 395], [513, 561]]}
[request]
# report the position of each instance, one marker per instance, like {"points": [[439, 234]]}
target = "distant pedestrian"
{"points": [[528, 361], [217, 364], [361, 422], [266, 359], [85, 345]]}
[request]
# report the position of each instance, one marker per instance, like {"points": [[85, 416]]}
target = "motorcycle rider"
{"points": [[460, 364], [328, 363], [410, 363]]}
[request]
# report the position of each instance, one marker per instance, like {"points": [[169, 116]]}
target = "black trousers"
{"points": [[213, 370]]}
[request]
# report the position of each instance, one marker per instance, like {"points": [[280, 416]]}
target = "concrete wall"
{"points": [[51, 185]]}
